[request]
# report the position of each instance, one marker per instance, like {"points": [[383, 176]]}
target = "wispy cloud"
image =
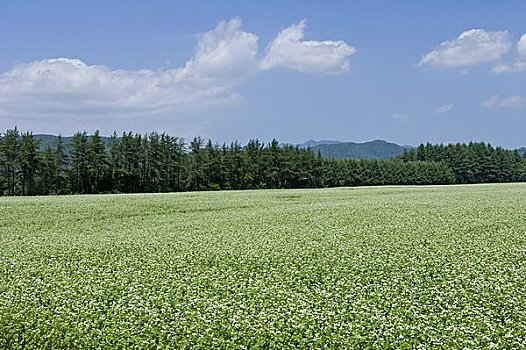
{"points": [[288, 50], [515, 67], [520, 62], [444, 109], [223, 59], [472, 47], [495, 101], [521, 45], [399, 117]]}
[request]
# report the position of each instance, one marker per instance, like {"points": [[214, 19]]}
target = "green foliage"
{"points": [[29, 162], [9, 156], [473, 162], [50, 141], [351, 268], [135, 163]]}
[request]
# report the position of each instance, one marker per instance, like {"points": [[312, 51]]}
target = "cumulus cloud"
{"points": [[225, 53], [66, 86], [444, 108], [520, 63], [472, 47], [224, 57], [495, 101], [288, 50]]}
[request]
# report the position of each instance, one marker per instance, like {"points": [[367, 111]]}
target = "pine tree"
{"points": [[96, 163], [29, 162], [79, 162], [10, 159], [61, 159], [47, 173], [196, 174]]}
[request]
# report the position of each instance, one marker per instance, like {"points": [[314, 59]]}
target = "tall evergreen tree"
{"points": [[96, 163], [79, 162], [196, 173], [29, 162], [114, 163], [3, 174], [10, 159], [47, 173], [61, 159]]}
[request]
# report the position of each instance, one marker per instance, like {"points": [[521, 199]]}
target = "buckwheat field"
{"points": [[382, 267]]}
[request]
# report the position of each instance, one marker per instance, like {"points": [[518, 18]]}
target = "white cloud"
{"points": [[444, 108], [515, 67], [224, 56], [288, 50], [495, 101], [223, 59], [472, 47], [519, 65], [512, 102], [225, 53], [521, 45]]}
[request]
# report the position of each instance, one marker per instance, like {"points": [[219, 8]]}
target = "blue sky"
{"points": [[407, 72]]}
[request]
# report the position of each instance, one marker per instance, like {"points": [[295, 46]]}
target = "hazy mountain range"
{"points": [[377, 149]]}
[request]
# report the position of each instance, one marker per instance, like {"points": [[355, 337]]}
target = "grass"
{"points": [[379, 267]]}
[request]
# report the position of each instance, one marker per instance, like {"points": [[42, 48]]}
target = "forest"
{"points": [[158, 162]]}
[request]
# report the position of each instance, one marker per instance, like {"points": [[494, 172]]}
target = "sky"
{"points": [[406, 72]]}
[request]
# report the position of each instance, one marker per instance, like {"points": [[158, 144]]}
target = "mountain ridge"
{"points": [[375, 149]]}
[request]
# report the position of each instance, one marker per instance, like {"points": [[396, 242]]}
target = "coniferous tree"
{"points": [[155, 171], [47, 172], [114, 163], [273, 164], [196, 174], [29, 162], [79, 163], [3, 174], [175, 160], [10, 159], [61, 159], [96, 163]]}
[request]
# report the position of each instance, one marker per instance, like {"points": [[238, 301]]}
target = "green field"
{"points": [[399, 267]]}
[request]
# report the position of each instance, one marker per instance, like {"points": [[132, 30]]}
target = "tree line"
{"points": [[134, 163]]}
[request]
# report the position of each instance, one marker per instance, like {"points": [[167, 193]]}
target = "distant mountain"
{"points": [[377, 149], [313, 143], [51, 140]]}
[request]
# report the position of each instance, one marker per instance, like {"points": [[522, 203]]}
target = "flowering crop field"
{"points": [[379, 267]]}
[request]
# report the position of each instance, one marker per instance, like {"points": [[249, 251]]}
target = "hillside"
{"points": [[313, 143], [51, 140], [378, 149]]}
